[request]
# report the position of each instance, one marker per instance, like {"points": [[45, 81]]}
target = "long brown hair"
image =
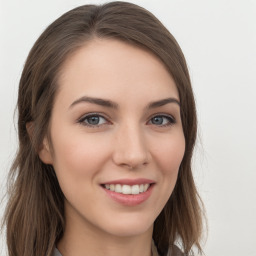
{"points": [[34, 215]]}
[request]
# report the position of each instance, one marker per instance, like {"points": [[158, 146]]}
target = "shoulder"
{"points": [[56, 252], [175, 251]]}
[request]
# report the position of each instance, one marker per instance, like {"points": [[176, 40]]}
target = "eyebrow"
{"points": [[111, 104], [163, 102], [97, 101]]}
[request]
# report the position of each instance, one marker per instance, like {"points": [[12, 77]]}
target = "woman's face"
{"points": [[117, 138]]}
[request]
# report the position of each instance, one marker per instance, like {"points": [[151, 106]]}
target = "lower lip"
{"points": [[129, 200]]}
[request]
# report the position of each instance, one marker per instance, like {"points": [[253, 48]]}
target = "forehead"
{"points": [[108, 67]]}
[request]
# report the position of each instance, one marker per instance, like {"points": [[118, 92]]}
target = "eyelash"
{"points": [[82, 120], [170, 120]]}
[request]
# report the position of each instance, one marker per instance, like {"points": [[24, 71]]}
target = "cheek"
{"points": [[77, 161], [78, 156], [168, 159], [170, 154]]}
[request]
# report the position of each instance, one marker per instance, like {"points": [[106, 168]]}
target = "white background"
{"points": [[219, 41]]}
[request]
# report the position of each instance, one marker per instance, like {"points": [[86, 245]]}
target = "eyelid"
{"points": [[91, 114], [82, 119], [171, 118]]}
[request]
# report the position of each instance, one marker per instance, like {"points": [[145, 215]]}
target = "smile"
{"points": [[129, 192], [127, 189]]}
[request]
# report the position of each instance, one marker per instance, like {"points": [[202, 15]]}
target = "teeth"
{"points": [[146, 186], [127, 189], [118, 188], [135, 189]]}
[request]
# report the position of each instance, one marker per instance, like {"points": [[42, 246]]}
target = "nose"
{"points": [[130, 148]]}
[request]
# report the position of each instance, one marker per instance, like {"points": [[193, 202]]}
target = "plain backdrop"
{"points": [[218, 39]]}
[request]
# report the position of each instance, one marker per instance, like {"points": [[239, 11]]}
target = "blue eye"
{"points": [[93, 120], [162, 120]]}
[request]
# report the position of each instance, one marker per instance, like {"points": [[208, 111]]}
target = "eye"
{"points": [[93, 120], [162, 120]]}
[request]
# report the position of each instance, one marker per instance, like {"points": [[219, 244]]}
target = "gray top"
{"points": [[56, 252]]}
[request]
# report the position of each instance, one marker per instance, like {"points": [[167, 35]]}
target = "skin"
{"points": [[126, 143]]}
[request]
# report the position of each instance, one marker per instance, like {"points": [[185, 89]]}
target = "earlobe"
{"points": [[44, 151]]}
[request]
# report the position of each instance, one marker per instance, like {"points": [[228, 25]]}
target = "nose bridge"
{"points": [[130, 146]]}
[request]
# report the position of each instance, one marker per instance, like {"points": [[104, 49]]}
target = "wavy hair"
{"points": [[34, 216]]}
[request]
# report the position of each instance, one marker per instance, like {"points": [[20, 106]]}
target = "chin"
{"points": [[129, 227]]}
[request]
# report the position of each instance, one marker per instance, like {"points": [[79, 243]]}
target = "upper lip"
{"points": [[130, 181]]}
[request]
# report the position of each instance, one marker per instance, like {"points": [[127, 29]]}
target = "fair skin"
{"points": [[132, 135]]}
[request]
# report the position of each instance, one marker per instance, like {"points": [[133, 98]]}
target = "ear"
{"points": [[44, 151]]}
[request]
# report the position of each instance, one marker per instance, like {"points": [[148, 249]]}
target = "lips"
{"points": [[129, 192]]}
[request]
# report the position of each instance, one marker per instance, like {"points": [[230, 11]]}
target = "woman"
{"points": [[107, 126]]}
